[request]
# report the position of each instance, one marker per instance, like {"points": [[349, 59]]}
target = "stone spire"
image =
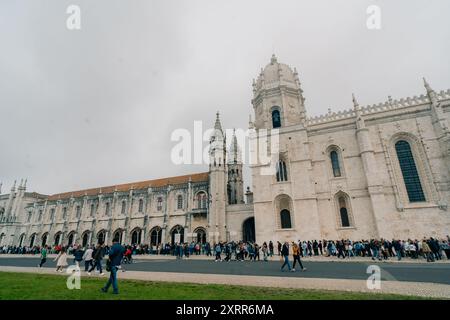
{"points": [[235, 153], [218, 125], [359, 120], [431, 94]]}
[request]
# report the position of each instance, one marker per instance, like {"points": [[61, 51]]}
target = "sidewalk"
{"points": [[431, 290], [274, 258]]}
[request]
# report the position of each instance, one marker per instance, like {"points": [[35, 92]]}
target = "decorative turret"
{"points": [[359, 120]]}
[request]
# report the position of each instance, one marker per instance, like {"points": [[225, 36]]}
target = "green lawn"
{"points": [[25, 286]]}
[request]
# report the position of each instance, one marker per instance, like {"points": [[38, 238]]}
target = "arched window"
{"points": [[276, 119], [64, 213], [52, 214], [180, 202], [141, 205], [335, 163], [40, 215], [281, 171], [345, 221], [201, 200], [124, 206], [159, 202], [409, 171], [155, 236], [285, 218]]}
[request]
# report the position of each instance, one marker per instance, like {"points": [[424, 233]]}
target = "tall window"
{"points": [[107, 208], [92, 210], [124, 206], [64, 215], [201, 200], [335, 163], [78, 212], [159, 203], [29, 217], [52, 214], [285, 218], [409, 171], [40, 215], [141, 205], [180, 202], [345, 221], [276, 119], [281, 171]]}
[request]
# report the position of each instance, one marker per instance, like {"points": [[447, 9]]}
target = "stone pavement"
{"points": [[274, 258], [431, 290]]}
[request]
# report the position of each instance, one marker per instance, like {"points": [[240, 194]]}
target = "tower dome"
{"points": [[278, 97], [276, 74]]}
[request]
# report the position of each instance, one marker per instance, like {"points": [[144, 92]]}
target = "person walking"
{"points": [[115, 258], [61, 260], [427, 251], [87, 257], [98, 255], [264, 251], [279, 247], [285, 254], [218, 251], [296, 255], [43, 256], [78, 255], [270, 248]]}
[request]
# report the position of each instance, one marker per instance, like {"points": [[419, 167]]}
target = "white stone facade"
{"points": [[367, 172]]}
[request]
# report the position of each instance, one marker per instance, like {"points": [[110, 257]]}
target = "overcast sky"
{"points": [[96, 106]]}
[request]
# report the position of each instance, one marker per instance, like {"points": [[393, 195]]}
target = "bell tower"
{"points": [[217, 184], [277, 97]]}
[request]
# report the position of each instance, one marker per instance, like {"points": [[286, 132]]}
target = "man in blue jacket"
{"points": [[115, 258]]}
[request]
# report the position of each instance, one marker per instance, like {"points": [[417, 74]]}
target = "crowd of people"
{"points": [[430, 249]]}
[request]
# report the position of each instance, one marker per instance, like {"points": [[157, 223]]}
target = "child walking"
{"points": [[61, 260]]}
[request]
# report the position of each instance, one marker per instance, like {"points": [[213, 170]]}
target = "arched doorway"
{"points": [[248, 230], [71, 238], [201, 235], [22, 237], [155, 236], [136, 236], [57, 238], [44, 239], [177, 230], [118, 235], [85, 239], [101, 237], [32, 240]]}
